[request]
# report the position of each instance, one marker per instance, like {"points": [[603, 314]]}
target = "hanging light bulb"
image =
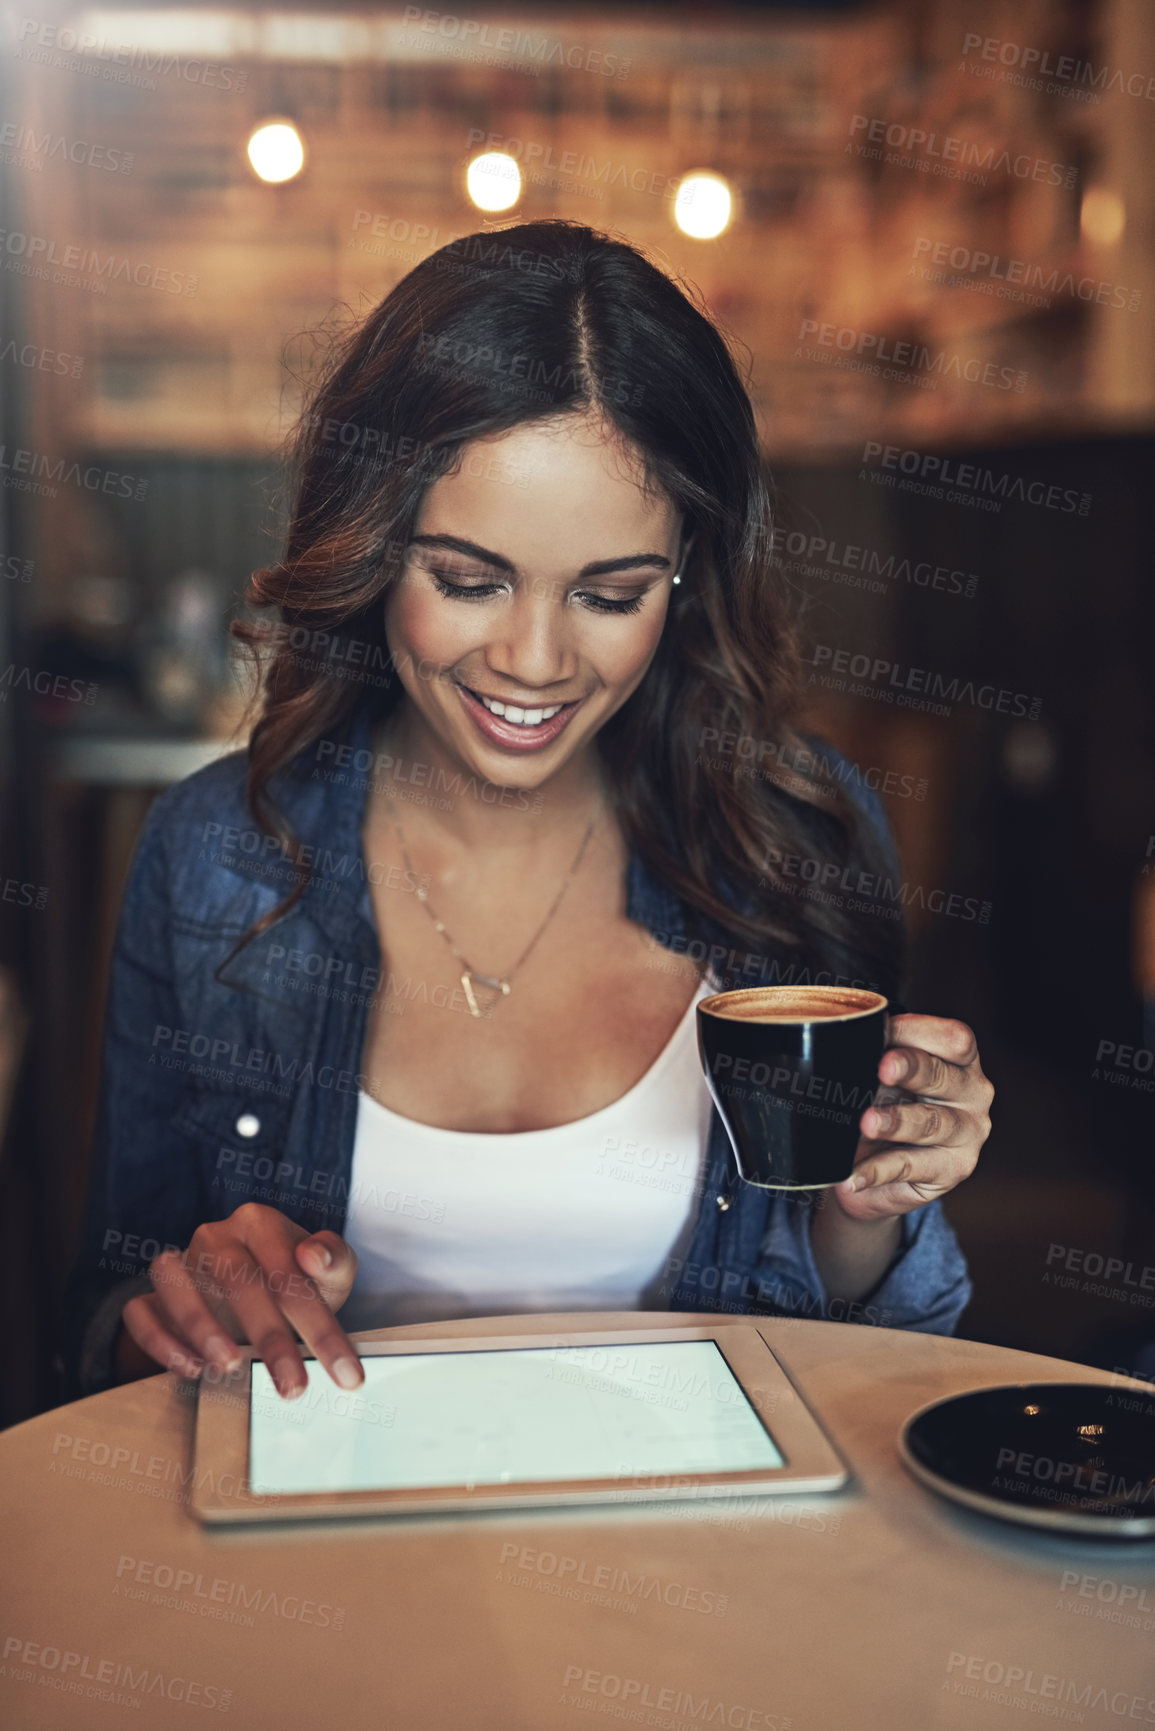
{"points": [[276, 151], [703, 206], [493, 181]]}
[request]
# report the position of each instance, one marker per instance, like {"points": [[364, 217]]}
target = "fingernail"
{"points": [[225, 1351], [284, 1375], [858, 1182], [323, 1254], [347, 1372]]}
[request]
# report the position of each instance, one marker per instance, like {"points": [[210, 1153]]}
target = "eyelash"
{"points": [[482, 591]]}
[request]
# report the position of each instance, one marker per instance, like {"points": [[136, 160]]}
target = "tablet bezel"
{"points": [[220, 1491]]}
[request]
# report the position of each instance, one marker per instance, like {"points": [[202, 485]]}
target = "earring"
{"points": [[677, 577]]}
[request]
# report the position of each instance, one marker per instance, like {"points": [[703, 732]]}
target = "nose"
{"points": [[531, 642]]}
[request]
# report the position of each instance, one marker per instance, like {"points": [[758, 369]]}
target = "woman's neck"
{"points": [[461, 809]]}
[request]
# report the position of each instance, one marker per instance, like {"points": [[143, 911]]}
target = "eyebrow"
{"points": [[596, 568]]}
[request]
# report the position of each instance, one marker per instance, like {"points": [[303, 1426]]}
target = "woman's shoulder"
{"points": [[215, 794], [200, 837]]}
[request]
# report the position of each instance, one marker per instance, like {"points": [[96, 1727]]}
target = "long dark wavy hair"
{"points": [[515, 325]]}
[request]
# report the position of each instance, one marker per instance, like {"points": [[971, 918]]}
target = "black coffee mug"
{"points": [[791, 1070]]}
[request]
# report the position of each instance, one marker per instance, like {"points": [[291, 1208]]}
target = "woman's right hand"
{"points": [[256, 1277]]}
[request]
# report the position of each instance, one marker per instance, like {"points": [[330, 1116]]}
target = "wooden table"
{"points": [[880, 1606]]}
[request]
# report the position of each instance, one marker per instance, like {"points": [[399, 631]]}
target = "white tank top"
{"points": [[582, 1216]]}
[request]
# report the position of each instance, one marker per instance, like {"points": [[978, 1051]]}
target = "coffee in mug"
{"points": [[791, 1070]]}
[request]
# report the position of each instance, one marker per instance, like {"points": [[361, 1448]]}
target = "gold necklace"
{"points": [[499, 986]]}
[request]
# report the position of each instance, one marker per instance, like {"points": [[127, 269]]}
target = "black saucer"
{"points": [[1075, 1457]]}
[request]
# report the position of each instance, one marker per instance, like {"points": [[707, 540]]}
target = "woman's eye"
{"points": [[603, 604], [465, 591]]}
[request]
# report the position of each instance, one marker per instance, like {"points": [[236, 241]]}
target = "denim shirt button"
{"points": [[723, 1202], [248, 1124]]}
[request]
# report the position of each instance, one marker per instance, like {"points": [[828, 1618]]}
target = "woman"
{"points": [[402, 1006]]}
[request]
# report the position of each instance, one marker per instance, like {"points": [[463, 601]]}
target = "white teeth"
{"points": [[519, 717]]}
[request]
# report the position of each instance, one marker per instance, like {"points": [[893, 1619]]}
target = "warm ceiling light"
{"points": [[276, 151], [703, 206], [1101, 216], [493, 181]]}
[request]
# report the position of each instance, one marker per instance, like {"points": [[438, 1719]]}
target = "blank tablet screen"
{"points": [[522, 1416]]}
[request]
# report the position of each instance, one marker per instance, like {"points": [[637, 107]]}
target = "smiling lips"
{"points": [[515, 727], [521, 717]]}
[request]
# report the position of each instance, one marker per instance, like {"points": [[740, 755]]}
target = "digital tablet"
{"points": [[511, 1421]]}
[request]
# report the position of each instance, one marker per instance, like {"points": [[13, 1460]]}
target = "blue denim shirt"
{"points": [[214, 1094]]}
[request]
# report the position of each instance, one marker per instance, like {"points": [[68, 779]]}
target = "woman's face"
{"points": [[536, 583]]}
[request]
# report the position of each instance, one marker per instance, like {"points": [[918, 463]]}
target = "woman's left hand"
{"points": [[924, 1136]]}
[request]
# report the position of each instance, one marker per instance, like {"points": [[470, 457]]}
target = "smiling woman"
{"points": [[528, 488]]}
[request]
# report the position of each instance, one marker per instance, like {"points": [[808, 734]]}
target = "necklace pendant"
{"points": [[500, 988]]}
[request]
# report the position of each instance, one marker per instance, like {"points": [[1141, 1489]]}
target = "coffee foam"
{"points": [[793, 1004]]}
